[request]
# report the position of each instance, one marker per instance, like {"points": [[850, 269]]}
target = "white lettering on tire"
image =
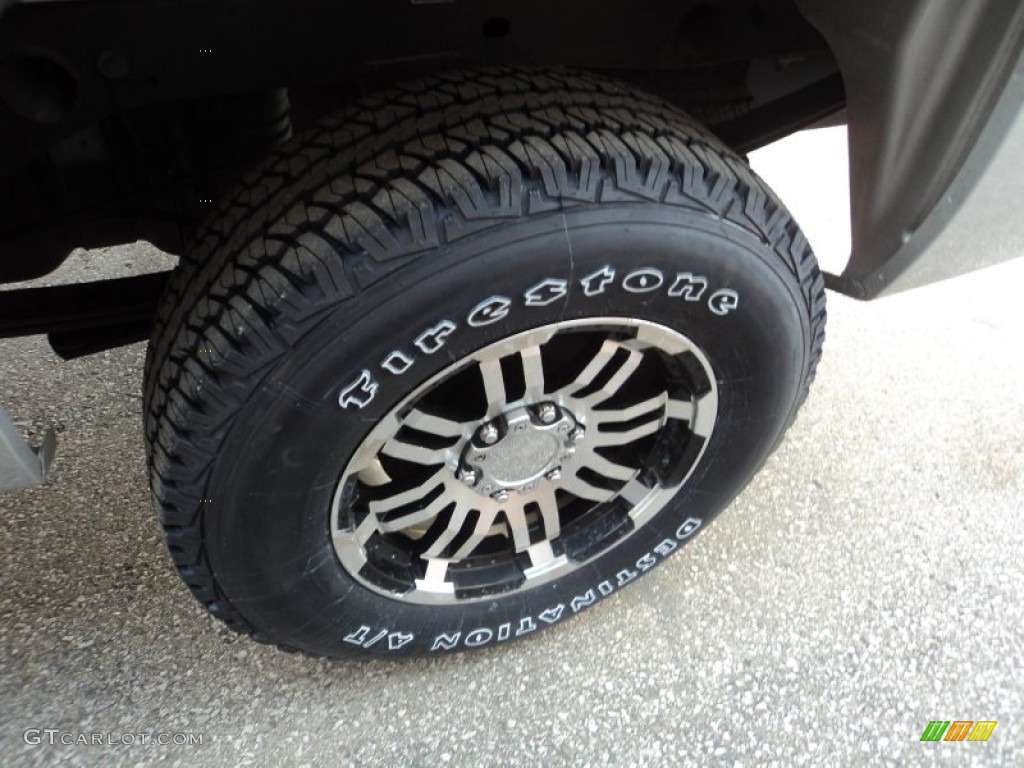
{"points": [[478, 637], [489, 311], [643, 280], [595, 283], [363, 638], [646, 562], [397, 363], [625, 576], [546, 292], [360, 392], [580, 602], [688, 287], [666, 548], [551, 615], [688, 528], [723, 301], [526, 624], [359, 636], [397, 639], [433, 339], [448, 642]]}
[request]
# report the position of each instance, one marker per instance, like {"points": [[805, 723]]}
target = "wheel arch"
{"points": [[126, 119]]}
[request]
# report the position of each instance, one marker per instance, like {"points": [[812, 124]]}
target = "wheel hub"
{"points": [[524, 460], [518, 449]]}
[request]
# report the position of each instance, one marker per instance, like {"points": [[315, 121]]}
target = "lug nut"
{"points": [[500, 496], [488, 434], [547, 413], [467, 475], [554, 474], [576, 435]]}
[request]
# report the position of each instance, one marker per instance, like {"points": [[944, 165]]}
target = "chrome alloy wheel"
{"points": [[524, 460]]}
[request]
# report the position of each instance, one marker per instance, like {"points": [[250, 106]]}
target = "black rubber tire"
{"points": [[409, 208]]}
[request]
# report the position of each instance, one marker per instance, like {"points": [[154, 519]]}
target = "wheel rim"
{"points": [[524, 460]]}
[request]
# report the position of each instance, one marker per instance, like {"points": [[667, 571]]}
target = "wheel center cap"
{"points": [[526, 446], [522, 456]]}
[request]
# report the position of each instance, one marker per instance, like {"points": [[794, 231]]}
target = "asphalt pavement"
{"points": [[868, 581]]}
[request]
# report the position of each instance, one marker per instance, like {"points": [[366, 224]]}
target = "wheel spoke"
{"points": [[418, 454], [533, 373], [436, 577], [700, 412], [397, 500], [373, 474], [458, 520], [605, 439], [576, 485], [679, 409], [652, 407], [615, 415], [598, 463], [634, 492], [435, 425], [353, 542], [541, 555], [597, 364], [516, 516], [549, 511], [621, 375], [417, 516], [480, 531], [494, 386], [365, 529]]}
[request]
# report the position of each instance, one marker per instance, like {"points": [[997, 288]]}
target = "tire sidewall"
{"points": [[273, 481]]}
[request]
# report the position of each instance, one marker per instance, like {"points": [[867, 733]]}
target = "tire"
{"points": [[339, 327]]}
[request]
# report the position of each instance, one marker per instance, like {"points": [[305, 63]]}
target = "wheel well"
{"points": [[125, 121]]}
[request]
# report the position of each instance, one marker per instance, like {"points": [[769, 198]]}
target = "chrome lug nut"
{"points": [[488, 434], [500, 496], [576, 435], [468, 476], [547, 413], [554, 474]]}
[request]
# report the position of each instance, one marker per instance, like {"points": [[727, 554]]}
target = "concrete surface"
{"points": [[868, 581]]}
